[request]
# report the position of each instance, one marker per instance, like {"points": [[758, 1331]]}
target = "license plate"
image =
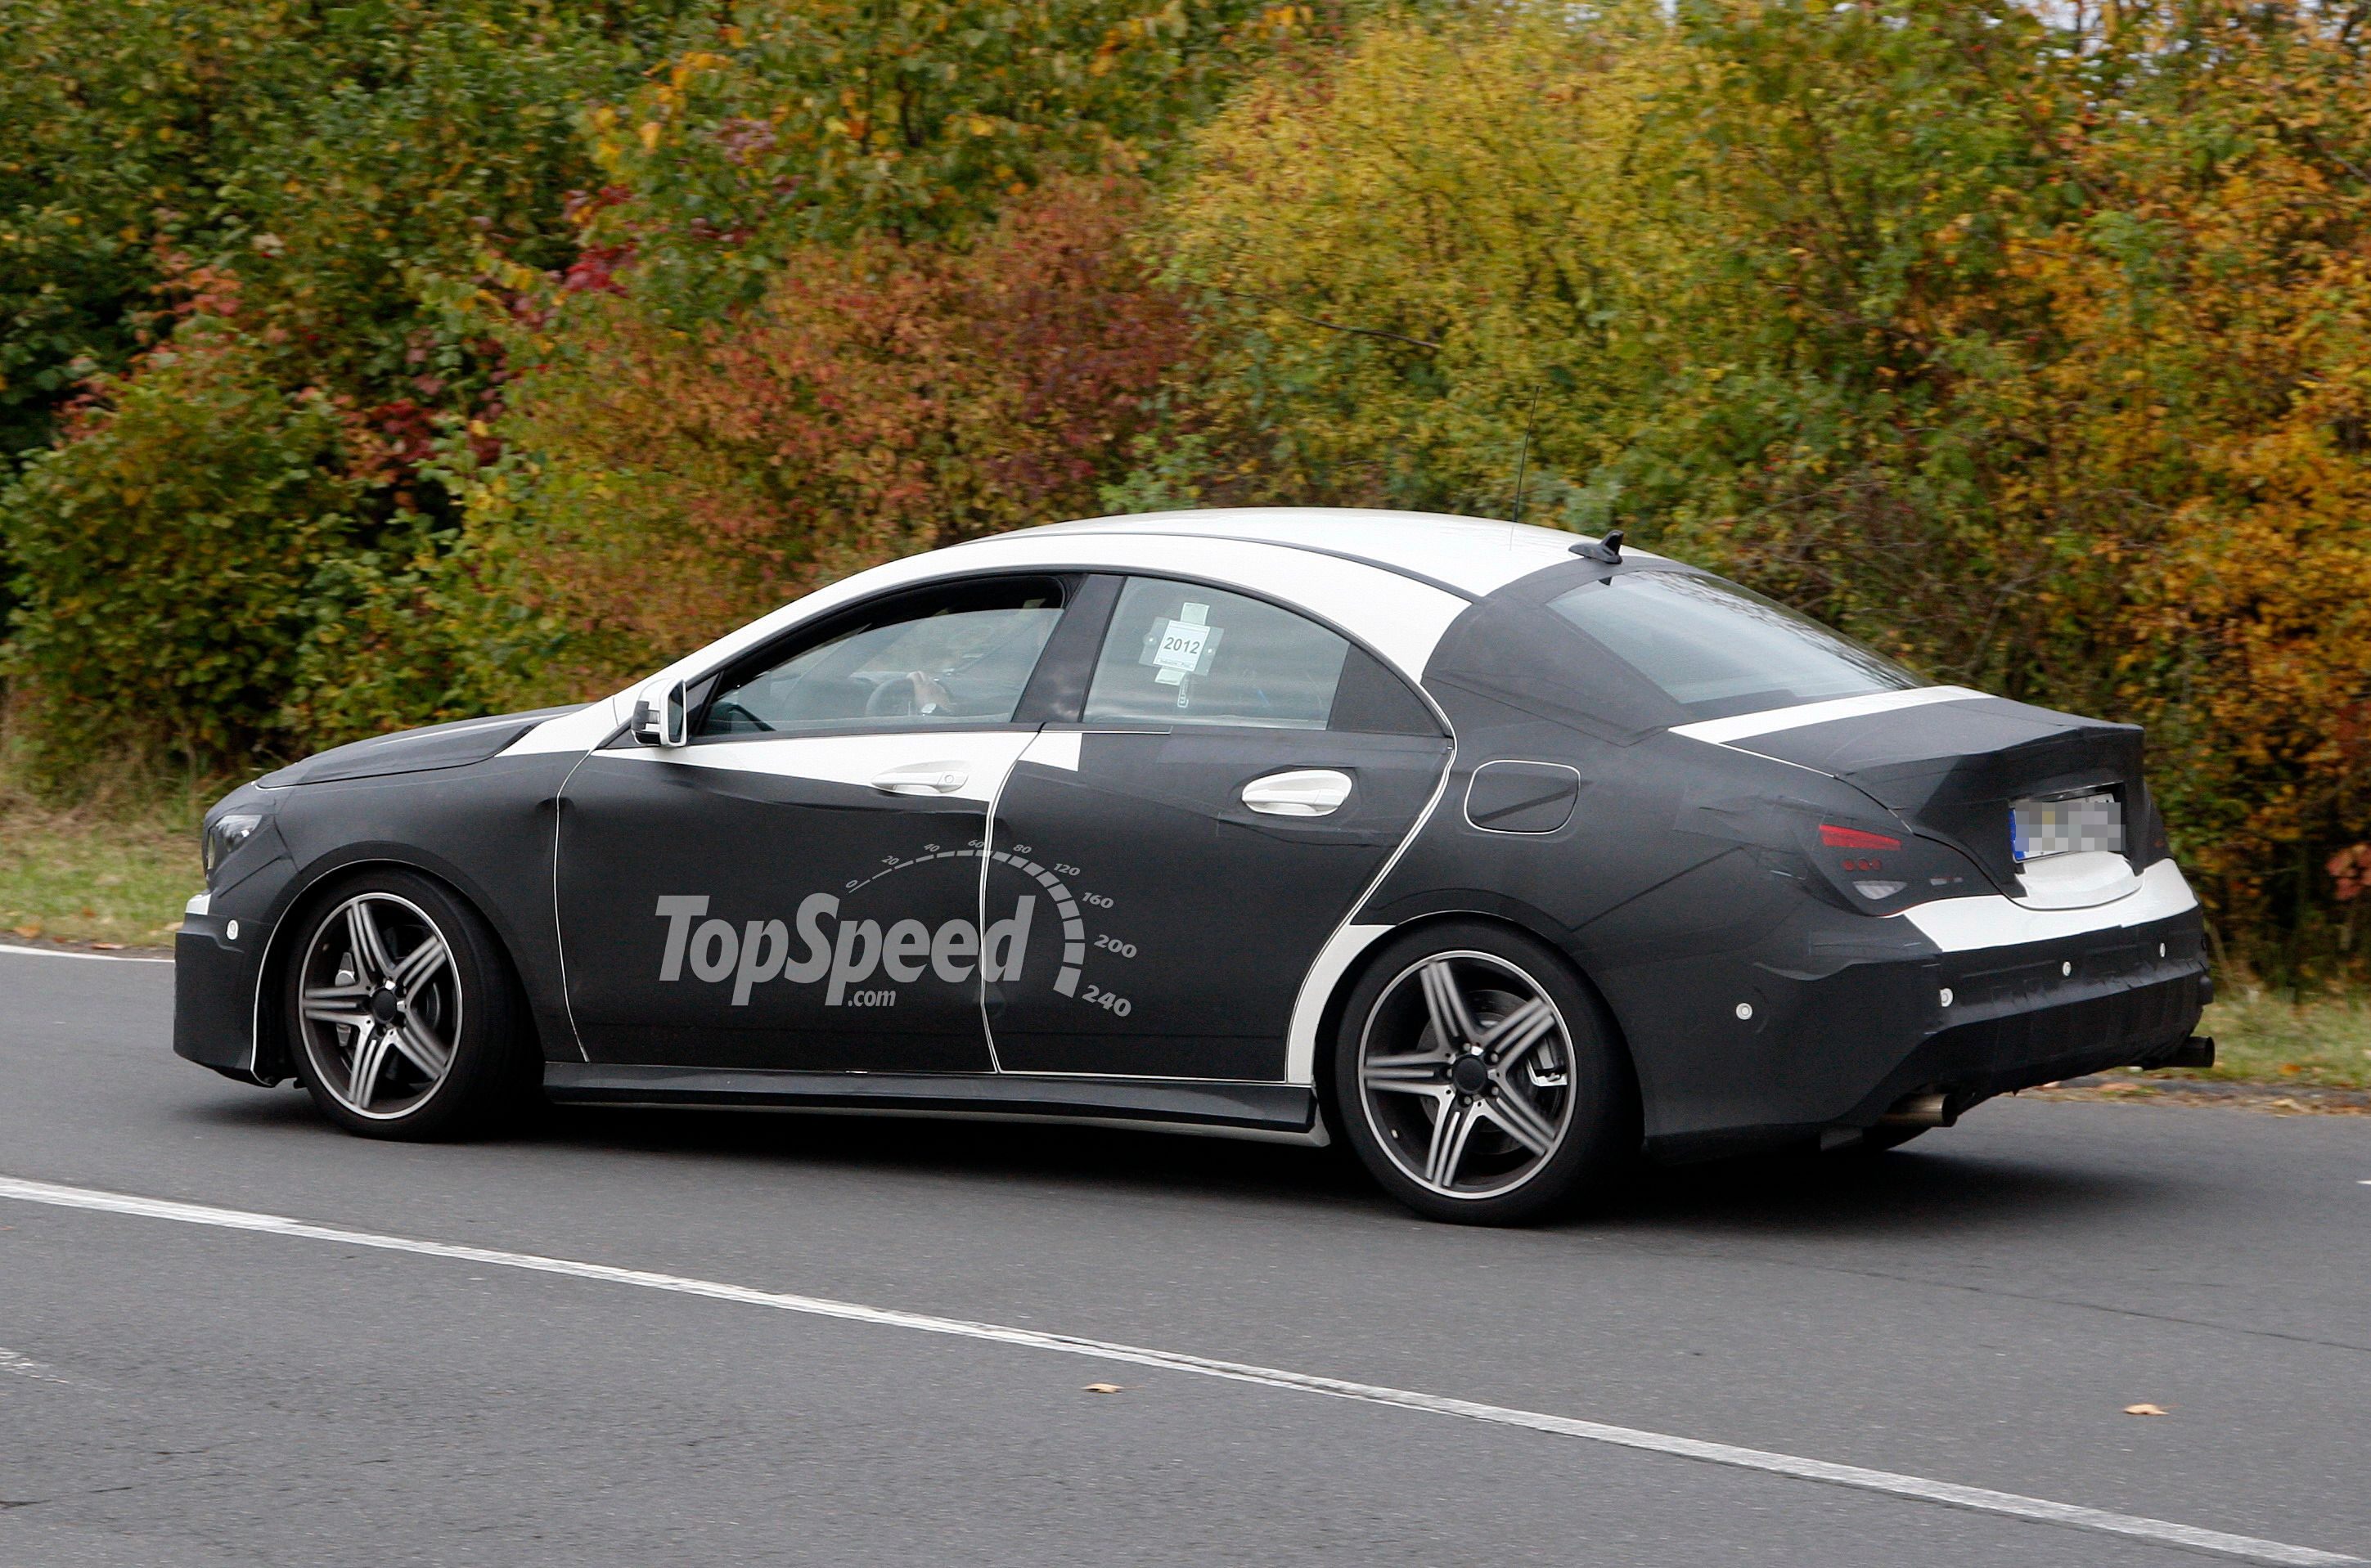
{"points": [[2039, 828]]}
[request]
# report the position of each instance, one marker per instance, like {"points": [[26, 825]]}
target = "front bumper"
{"points": [[217, 977]]}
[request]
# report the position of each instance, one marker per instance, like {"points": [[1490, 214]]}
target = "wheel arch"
{"points": [[1483, 911], [274, 1056]]}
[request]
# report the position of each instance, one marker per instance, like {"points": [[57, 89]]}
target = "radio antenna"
{"points": [[1523, 452]]}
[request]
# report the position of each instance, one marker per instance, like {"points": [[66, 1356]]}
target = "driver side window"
{"points": [[956, 656]]}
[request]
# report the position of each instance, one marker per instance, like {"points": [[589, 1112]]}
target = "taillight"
{"points": [[1881, 873]]}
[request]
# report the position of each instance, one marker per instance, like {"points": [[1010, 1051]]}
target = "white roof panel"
{"points": [[1399, 616], [1475, 554]]}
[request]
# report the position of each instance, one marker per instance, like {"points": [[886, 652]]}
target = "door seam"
{"points": [[979, 910]]}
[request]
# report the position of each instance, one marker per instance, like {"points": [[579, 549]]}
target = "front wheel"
{"points": [[1477, 1080], [402, 1010]]}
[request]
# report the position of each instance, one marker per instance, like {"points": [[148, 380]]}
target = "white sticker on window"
{"points": [[1182, 643], [1193, 613]]}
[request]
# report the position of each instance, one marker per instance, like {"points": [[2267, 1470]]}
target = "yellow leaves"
{"points": [[1464, 183], [688, 68], [648, 134]]}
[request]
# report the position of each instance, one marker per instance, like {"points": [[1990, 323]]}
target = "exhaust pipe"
{"points": [[1932, 1109], [2198, 1051]]}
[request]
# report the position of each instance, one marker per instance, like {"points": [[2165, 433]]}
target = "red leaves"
{"points": [[2350, 867], [596, 270], [882, 397]]}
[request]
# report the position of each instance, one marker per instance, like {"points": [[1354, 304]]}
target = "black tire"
{"points": [[1556, 1069], [399, 1012]]}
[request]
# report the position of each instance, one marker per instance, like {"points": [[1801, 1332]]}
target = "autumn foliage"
{"points": [[385, 363], [881, 397], [2035, 353]]}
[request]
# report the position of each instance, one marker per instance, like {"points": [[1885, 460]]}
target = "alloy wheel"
{"points": [[1465, 1074], [379, 1005]]}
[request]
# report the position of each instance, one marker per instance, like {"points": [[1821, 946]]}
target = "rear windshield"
{"points": [[1717, 649]]}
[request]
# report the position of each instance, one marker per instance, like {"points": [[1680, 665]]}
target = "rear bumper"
{"points": [[2069, 992], [2025, 1037], [1851, 1014]]}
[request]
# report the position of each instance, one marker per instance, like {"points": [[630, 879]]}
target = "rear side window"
{"points": [[1717, 649], [1180, 653]]}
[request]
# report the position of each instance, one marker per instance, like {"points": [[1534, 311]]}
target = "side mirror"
{"points": [[665, 723]]}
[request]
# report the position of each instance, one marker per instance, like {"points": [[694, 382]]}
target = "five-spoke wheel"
{"points": [[1475, 1077], [401, 1009], [379, 1005]]}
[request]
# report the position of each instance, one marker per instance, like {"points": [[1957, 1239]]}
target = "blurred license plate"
{"points": [[2064, 826]]}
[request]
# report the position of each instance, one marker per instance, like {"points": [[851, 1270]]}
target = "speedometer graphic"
{"points": [[1068, 905]]}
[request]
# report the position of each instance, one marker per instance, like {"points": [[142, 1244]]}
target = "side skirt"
{"points": [[1269, 1111]]}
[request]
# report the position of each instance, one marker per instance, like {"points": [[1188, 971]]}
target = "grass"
{"points": [[116, 870], [2260, 1039]]}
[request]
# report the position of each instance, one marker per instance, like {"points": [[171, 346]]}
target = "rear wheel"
{"points": [[404, 1016], [1477, 1080]]}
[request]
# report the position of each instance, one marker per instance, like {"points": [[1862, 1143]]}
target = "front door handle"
{"points": [[924, 778], [1303, 792]]}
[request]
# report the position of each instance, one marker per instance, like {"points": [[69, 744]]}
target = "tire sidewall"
{"points": [[1603, 1129], [484, 1050]]}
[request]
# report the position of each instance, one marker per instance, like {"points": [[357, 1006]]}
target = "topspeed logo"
{"points": [[849, 952]]}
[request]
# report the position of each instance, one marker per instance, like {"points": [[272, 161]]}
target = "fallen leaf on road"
{"points": [[1102, 1387], [2142, 1410]]}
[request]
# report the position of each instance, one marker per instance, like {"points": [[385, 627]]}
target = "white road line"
{"points": [[69, 953], [2247, 1549], [25, 1367]]}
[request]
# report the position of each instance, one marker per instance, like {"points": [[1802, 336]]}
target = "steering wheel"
{"points": [[895, 698]]}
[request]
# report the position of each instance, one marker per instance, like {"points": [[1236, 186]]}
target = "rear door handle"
{"points": [[1303, 792], [924, 778]]}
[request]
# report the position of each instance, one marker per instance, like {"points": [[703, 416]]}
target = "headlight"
{"points": [[226, 833]]}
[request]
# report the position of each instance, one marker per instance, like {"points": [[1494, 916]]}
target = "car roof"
{"points": [[1470, 556], [1394, 579]]}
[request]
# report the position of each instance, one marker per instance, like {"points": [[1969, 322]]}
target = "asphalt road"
{"points": [[1976, 1309]]}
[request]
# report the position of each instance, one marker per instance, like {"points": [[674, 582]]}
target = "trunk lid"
{"points": [[1955, 770]]}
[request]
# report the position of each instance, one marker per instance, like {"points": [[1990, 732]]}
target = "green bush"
{"points": [[164, 554]]}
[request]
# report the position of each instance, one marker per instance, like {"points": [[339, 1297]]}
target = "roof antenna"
{"points": [[1607, 549], [1523, 452]]}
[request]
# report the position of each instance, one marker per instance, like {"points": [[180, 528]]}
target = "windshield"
{"points": [[1717, 649]]}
